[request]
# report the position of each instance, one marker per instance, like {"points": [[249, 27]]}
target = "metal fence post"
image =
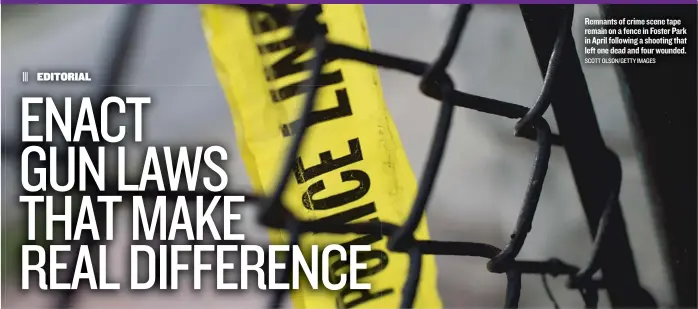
{"points": [[589, 158]]}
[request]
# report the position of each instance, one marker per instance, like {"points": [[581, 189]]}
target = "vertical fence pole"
{"points": [[590, 160], [661, 101]]}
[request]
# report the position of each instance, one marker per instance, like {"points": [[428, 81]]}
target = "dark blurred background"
{"points": [[478, 192]]}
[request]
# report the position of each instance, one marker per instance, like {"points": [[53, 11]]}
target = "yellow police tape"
{"points": [[351, 168]]}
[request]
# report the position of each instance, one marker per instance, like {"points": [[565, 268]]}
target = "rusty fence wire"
{"points": [[435, 83]]}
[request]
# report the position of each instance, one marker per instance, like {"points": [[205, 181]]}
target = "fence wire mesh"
{"points": [[434, 83]]}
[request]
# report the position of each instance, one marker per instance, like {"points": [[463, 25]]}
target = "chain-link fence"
{"points": [[596, 168]]}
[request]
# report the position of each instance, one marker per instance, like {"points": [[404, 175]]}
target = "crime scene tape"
{"points": [[351, 166]]}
